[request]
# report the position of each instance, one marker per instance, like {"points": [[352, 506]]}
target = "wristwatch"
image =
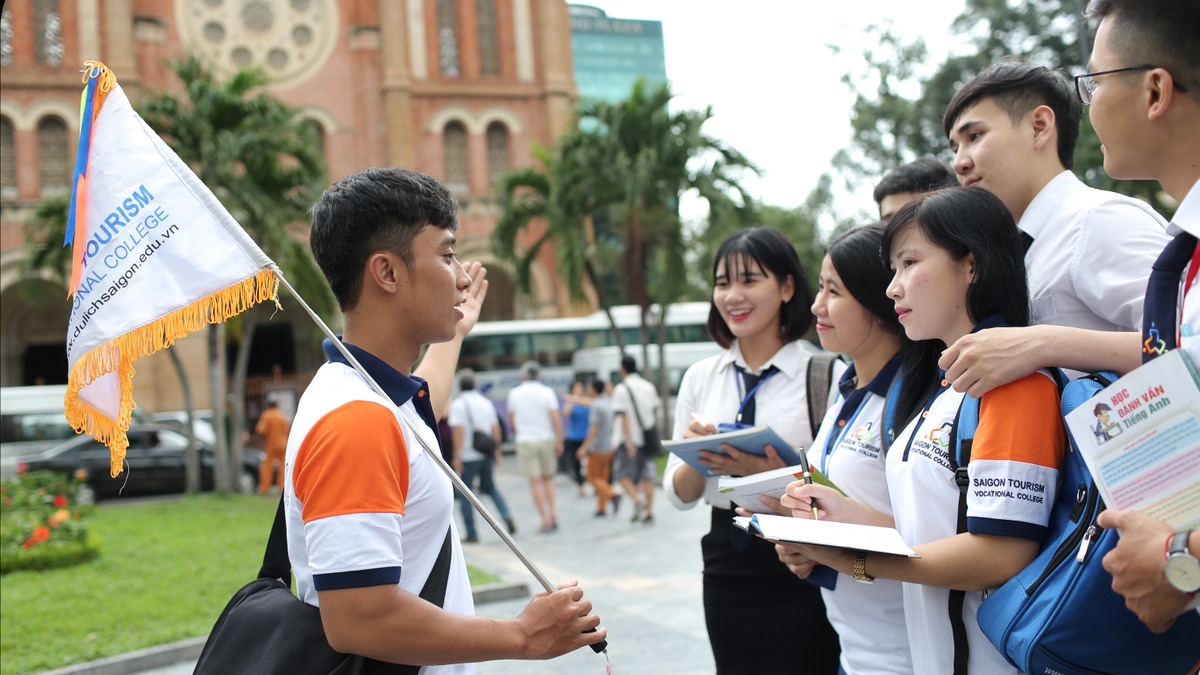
{"points": [[860, 568], [1182, 570]]}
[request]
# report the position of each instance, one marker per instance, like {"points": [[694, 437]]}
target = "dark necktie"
{"points": [[749, 382], [1160, 313], [1026, 241], [740, 538]]}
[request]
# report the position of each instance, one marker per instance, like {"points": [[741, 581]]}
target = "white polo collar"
{"points": [[1033, 221], [788, 360], [1187, 216]]}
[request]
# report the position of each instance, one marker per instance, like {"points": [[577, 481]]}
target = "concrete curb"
{"points": [[185, 650], [142, 659], [505, 590]]}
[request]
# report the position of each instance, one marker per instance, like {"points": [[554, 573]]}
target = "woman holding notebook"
{"points": [[959, 268], [856, 317], [760, 309]]}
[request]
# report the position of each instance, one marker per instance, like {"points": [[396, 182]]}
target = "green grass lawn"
{"points": [[165, 572]]}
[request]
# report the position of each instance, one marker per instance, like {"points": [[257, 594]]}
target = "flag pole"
{"points": [[434, 455]]}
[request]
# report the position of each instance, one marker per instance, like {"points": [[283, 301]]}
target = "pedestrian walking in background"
{"points": [[538, 428], [598, 449], [476, 442], [273, 426], [575, 410], [636, 404]]}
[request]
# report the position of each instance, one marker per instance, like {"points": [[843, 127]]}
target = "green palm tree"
{"points": [[266, 166], [561, 196], [653, 157]]}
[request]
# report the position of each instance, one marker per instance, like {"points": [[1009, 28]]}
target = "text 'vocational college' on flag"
{"points": [[155, 256]]}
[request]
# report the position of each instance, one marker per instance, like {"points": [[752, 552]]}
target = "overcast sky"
{"points": [[773, 83]]}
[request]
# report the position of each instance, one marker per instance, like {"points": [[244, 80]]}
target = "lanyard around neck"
{"points": [[836, 436], [737, 373]]}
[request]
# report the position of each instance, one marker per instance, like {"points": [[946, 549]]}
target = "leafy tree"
{"points": [[621, 171], [561, 197], [265, 165], [655, 156], [890, 128]]}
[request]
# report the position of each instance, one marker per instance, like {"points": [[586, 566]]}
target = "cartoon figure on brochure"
{"points": [[1106, 428]]}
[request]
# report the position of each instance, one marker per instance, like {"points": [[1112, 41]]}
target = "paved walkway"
{"points": [[644, 581]]}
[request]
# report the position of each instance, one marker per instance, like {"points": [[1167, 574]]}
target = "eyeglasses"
{"points": [[1085, 83]]}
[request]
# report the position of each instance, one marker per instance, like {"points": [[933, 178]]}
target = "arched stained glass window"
{"points": [[6, 37], [489, 52], [318, 131], [497, 149], [47, 32], [53, 157], [447, 14], [454, 141]]}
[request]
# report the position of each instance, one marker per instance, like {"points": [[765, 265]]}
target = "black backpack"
{"points": [[265, 630]]}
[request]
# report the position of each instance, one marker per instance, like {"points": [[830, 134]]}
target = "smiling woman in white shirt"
{"points": [[760, 310], [856, 317]]}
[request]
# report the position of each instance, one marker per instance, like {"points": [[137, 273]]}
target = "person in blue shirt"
{"points": [[575, 410]]}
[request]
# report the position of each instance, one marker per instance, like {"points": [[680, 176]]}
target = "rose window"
{"points": [[289, 39]]}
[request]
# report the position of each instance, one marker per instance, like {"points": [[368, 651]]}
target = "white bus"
{"points": [[495, 350]]}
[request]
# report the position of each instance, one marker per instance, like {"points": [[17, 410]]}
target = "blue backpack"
{"points": [[1060, 616]]}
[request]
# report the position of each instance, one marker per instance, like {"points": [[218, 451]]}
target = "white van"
{"points": [[31, 421]]}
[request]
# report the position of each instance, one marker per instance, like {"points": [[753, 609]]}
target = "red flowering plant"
{"points": [[42, 523]]}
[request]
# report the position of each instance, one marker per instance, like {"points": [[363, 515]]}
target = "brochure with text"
{"points": [[1140, 438]]}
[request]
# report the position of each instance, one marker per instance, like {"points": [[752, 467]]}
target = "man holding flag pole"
{"points": [[368, 500]]}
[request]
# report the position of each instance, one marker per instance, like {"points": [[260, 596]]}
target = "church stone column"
{"points": [[397, 84]]}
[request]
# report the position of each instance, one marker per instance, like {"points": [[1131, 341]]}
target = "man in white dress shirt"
{"points": [[1143, 88], [1088, 252]]}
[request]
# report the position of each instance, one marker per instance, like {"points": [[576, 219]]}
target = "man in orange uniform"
{"points": [[274, 428]]}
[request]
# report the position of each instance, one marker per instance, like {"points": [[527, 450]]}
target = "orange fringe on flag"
{"points": [[119, 354]]}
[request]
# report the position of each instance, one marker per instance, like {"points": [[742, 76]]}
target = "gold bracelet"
{"points": [[860, 568]]}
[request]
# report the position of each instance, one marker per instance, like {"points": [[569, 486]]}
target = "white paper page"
{"points": [[829, 533]]}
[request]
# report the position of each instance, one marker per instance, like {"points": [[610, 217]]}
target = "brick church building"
{"points": [[460, 89]]}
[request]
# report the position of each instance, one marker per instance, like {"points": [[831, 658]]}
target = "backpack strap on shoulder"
{"points": [[817, 383], [962, 436]]}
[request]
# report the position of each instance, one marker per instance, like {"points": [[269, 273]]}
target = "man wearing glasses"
{"points": [[1148, 117], [1088, 252]]}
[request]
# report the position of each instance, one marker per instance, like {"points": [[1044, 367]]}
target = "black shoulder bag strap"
{"points": [[636, 413], [958, 626], [277, 565], [817, 382]]}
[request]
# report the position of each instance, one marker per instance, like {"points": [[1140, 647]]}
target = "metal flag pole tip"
{"points": [[437, 458]]}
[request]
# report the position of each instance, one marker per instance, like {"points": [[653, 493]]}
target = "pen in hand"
{"points": [[808, 480]]}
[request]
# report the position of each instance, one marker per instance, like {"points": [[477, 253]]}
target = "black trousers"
{"points": [[761, 619], [569, 464]]}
